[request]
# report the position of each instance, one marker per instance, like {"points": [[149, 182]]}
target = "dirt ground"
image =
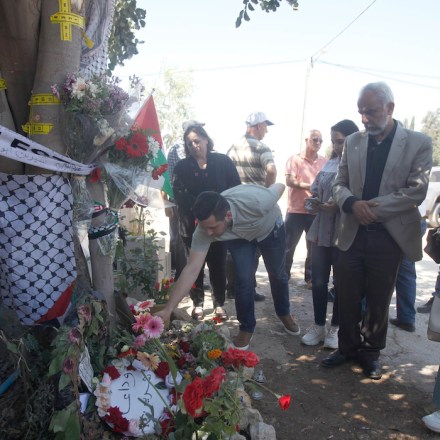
{"points": [[340, 403]]}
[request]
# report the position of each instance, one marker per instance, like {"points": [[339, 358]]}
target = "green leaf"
{"points": [[64, 381], [11, 347]]}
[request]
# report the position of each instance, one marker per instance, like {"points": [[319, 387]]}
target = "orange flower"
{"points": [[214, 354]]}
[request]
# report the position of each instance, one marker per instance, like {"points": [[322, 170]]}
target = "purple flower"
{"points": [[68, 366], [75, 335]]}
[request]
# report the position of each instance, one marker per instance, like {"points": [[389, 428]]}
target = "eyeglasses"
{"points": [[316, 140], [195, 142]]}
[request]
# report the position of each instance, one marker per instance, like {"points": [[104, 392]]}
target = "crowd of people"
{"points": [[361, 210]]}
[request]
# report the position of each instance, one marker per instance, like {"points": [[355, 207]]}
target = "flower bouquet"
{"points": [[128, 175], [92, 109], [185, 384]]}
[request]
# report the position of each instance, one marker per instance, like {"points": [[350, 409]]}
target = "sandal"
{"points": [[197, 313], [221, 313]]}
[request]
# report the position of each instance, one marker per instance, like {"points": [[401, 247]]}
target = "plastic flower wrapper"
{"points": [[129, 170], [93, 108]]}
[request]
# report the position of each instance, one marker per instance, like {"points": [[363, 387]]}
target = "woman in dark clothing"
{"points": [[203, 170]]}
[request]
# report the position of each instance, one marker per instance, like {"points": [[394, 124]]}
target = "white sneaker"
{"points": [[315, 334], [432, 421], [331, 338]]}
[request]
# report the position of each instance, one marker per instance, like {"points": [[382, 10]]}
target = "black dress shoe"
{"points": [[372, 369], [408, 327], [259, 297], [335, 359]]}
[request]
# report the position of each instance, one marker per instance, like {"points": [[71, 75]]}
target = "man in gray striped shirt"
{"points": [[253, 159], [255, 164]]}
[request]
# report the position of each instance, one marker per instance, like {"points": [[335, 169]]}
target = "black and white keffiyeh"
{"points": [[37, 261]]}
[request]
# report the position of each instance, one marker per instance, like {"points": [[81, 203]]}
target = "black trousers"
{"points": [[216, 261], [368, 269]]}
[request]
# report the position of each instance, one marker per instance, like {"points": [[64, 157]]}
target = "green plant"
{"points": [[138, 267]]}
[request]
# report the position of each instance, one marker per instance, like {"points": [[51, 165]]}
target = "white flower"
{"points": [[154, 145], [79, 88], [93, 89], [169, 381], [133, 428], [200, 370]]}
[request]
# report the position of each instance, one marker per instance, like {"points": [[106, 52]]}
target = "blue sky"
{"points": [[263, 64]]}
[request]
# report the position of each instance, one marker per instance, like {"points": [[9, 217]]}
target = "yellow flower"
{"points": [[150, 361], [214, 354]]}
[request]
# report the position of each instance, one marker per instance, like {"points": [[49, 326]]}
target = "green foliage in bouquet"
{"points": [[138, 267]]}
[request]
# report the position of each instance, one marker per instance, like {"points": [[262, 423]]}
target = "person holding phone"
{"points": [[322, 236]]}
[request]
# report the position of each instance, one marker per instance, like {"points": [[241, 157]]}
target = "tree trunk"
{"points": [[19, 22], [59, 52]]}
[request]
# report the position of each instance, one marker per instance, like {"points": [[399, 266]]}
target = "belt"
{"points": [[373, 227]]}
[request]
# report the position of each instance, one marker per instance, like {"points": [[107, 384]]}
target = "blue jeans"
{"points": [[243, 256], [323, 258], [406, 288], [296, 224]]}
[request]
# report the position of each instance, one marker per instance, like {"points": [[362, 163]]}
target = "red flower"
{"points": [[217, 320], [213, 380], [129, 352], [85, 311], [167, 426], [95, 175], [68, 366], [184, 346], [137, 146], [236, 357], [159, 171], [162, 370], [115, 417], [181, 362], [193, 397], [121, 144], [284, 401], [129, 204], [112, 372], [75, 335]]}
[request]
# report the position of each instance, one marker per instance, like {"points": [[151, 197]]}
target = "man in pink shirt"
{"points": [[301, 170]]}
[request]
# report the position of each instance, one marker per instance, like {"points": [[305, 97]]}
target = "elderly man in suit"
{"points": [[382, 179]]}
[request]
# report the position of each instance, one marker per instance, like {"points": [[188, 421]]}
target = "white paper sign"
{"points": [[131, 388]]}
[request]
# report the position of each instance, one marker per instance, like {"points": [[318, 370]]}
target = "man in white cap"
{"points": [[255, 164]]}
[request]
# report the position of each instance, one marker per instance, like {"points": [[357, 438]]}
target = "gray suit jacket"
{"points": [[403, 188]]}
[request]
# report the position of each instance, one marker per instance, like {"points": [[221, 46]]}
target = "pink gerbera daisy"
{"points": [[140, 341], [141, 321], [154, 327]]}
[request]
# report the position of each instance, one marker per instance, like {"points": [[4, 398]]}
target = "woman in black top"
{"points": [[203, 170]]}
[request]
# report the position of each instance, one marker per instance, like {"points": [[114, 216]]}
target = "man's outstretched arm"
{"points": [[184, 283]]}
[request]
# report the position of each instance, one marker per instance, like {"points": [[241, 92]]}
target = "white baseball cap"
{"points": [[257, 118]]}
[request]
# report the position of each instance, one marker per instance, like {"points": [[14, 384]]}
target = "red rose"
{"points": [[251, 359], [213, 380], [284, 402], [236, 357], [112, 372], [162, 370], [115, 417], [193, 397]]}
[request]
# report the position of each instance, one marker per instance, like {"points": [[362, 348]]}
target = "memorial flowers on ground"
{"points": [[192, 379]]}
